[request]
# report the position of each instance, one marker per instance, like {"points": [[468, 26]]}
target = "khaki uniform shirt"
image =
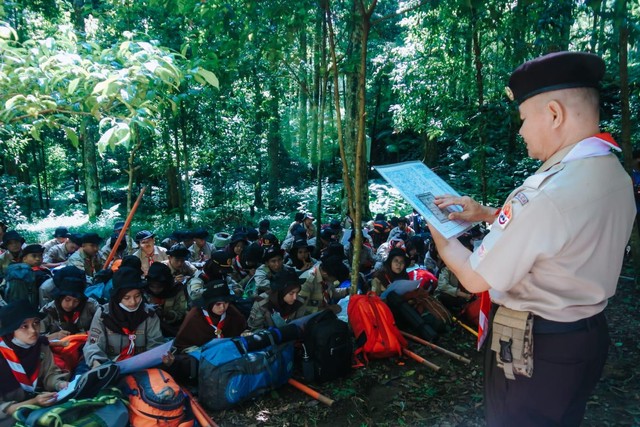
{"points": [[89, 266], [559, 252], [200, 254], [50, 243], [159, 254], [57, 253], [131, 246]]}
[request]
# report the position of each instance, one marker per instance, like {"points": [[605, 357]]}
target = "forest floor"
{"points": [[401, 392]]}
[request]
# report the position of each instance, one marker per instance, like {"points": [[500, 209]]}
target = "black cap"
{"points": [[13, 314], [70, 281], [144, 234], [132, 261], [200, 233], [76, 238], [397, 252], [11, 235], [159, 273], [264, 224], [33, 249], [270, 239], [555, 71], [118, 226], [178, 251], [215, 291], [91, 238], [126, 278], [61, 232], [272, 252], [286, 280], [335, 224], [253, 234], [222, 259]]}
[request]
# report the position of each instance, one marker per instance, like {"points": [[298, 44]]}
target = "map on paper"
{"points": [[419, 186]]}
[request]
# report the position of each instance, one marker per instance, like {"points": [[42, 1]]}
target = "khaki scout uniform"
{"points": [[200, 254], [159, 254], [50, 243], [131, 246], [558, 253], [104, 344], [79, 259], [56, 254]]}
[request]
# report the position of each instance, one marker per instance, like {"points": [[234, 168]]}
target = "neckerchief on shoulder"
{"points": [[27, 382], [128, 351], [598, 145], [217, 329]]}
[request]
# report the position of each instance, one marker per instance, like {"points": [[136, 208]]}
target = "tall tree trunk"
{"points": [[37, 168], [625, 112], [258, 130], [181, 185], [477, 60], [91, 182], [187, 167], [322, 96], [274, 143], [45, 175], [303, 99], [595, 7], [318, 41]]}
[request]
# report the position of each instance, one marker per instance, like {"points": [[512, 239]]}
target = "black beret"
{"points": [[16, 312], [200, 233], [159, 273], [68, 273], [91, 238], [555, 71], [285, 281], [178, 251], [33, 249], [215, 291], [126, 278], [76, 238], [144, 234], [9, 236], [61, 232]]}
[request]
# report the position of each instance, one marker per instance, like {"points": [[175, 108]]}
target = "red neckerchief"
{"points": [[127, 352], [217, 329], [27, 383], [73, 318], [325, 293]]}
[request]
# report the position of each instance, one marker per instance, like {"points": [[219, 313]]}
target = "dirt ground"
{"points": [[401, 392]]}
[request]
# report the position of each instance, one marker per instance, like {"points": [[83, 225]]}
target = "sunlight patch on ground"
{"points": [[77, 219]]}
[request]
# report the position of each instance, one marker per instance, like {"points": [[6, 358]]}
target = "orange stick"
{"points": [[420, 359], [198, 411], [435, 347], [320, 397], [124, 229]]}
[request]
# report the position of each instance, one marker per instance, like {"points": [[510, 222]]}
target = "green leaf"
{"points": [[120, 134], [73, 85], [209, 77], [35, 133], [72, 136]]}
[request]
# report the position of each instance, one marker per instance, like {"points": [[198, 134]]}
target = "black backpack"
{"points": [[327, 349]]}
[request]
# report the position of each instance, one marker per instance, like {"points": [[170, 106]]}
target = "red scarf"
{"points": [[28, 383], [127, 352], [217, 329], [73, 319]]}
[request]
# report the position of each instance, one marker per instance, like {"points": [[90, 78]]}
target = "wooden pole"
{"points": [[436, 348], [198, 411], [420, 359], [468, 328], [320, 397], [124, 229]]}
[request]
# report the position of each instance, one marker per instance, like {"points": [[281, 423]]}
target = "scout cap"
{"points": [[555, 71]]}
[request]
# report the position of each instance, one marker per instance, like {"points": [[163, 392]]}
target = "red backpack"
{"points": [[374, 327], [428, 281], [156, 400]]}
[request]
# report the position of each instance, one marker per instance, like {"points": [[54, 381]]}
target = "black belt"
{"points": [[544, 326]]}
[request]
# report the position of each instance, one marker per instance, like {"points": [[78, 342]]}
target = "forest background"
{"points": [[238, 110]]}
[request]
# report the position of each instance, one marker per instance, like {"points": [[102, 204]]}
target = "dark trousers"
{"points": [[566, 369]]}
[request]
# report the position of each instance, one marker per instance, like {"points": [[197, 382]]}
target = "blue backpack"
{"points": [[230, 374]]}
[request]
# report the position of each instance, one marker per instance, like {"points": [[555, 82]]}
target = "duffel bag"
{"points": [[228, 374]]}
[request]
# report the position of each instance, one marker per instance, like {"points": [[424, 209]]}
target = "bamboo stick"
{"points": [[320, 397], [124, 229], [436, 348], [468, 328], [420, 359], [198, 411]]}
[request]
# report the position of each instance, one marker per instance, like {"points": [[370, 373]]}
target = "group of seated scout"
{"points": [[193, 291]]}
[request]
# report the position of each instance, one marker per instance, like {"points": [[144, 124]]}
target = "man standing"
{"points": [[555, 249]]}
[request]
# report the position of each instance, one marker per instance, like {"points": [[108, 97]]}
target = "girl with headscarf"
{"points": [[278, 305], [28, 375], [125, 326], [394, 268]]}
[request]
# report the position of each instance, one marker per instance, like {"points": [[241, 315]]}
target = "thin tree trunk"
{"points": [[37, 168], [45, 176], [258, 129], [181, 185], [320, 120], [303, 99], [477, 60], [91, 182], [318, 41], [187, 167], [274, 142]]}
